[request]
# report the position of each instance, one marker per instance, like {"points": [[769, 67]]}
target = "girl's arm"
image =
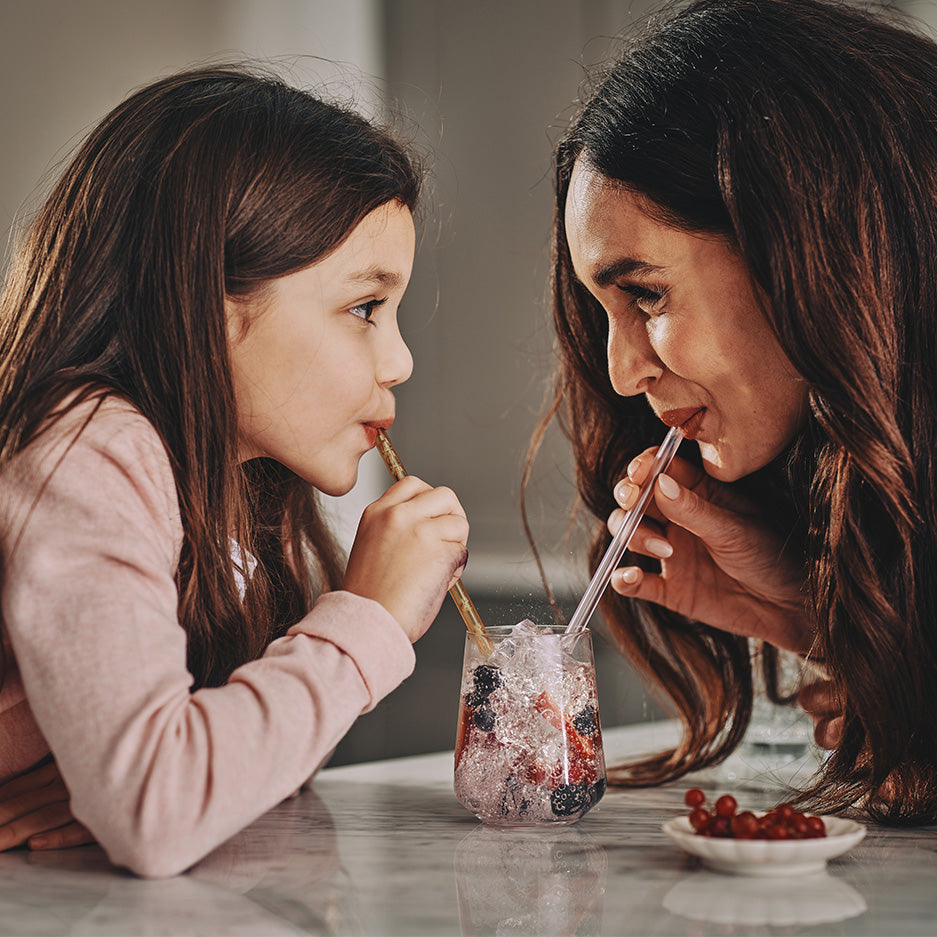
{"points": [[158, 774]]}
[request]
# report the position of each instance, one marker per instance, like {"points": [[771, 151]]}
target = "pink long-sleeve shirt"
{"points": [[96, 658]]}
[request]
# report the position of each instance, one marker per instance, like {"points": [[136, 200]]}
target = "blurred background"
{"points": [[483, 90]]}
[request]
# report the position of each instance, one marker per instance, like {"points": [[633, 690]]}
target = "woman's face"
{"points": [[685, 327], [315, 354]]}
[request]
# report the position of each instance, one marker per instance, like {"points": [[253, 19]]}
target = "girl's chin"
{"points": [[334, 484]]}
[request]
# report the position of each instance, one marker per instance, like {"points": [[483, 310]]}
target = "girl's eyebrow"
{"points": [[389, 279], [626, 266]]}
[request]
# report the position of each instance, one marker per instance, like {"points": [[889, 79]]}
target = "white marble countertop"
{"points": [[386, 849]]}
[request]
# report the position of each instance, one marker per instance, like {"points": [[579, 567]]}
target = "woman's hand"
{"points": [[720, 564], [409, 550], [819, 701], [34, 809]]}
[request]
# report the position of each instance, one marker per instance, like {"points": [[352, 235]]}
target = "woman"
{"points": [[744, 243]]}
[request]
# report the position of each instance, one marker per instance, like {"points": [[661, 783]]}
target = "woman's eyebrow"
{"points": [[626, 266], [389, 279]]}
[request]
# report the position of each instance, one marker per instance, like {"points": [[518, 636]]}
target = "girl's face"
{"points": [[314, 354], [685, 327]]}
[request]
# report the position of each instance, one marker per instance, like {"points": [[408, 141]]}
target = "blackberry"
{"points": [[475, 699], [487, 680], [586, 722], [485, 718], [569, 799], [596, 791]]}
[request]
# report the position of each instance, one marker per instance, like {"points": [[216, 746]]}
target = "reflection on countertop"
{"points": [[530, 883], [386, 849]]}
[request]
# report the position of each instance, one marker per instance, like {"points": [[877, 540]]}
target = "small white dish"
{"points": [[761, 857]]}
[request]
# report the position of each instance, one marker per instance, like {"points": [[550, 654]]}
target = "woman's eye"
{"points": [[366, 310], [647, 299]]}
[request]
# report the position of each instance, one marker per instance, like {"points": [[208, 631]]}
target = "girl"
{"points": [[744, 244], [199, 332]]}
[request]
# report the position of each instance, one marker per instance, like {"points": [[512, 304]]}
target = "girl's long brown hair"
{"points": [[204, 184], [806, 132]]}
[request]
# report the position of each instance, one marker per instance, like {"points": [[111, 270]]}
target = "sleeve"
{"points": [[161, 775]]}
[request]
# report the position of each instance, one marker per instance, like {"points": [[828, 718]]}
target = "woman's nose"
{"points": [[633, 364], [396, 364]]}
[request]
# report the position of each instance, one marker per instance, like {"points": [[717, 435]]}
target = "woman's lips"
{"points": [[687, 418]]}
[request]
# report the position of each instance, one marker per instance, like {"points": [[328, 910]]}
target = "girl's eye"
{"points": [[366, 310], [646, 298]]}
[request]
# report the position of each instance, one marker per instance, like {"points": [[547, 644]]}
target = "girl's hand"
{"points": [[720, 564], [409, 550], [34, 810]]}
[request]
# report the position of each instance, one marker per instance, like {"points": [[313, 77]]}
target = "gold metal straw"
{"points": [[461, 598]]}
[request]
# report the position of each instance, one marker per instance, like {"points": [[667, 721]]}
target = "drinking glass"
{"points": [[529, 742]]}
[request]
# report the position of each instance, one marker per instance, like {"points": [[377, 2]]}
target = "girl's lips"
{"points": [[687, 418], [373, 426]]}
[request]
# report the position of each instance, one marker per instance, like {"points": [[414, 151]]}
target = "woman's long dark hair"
{"points": [[806, 132], [204, 184]]}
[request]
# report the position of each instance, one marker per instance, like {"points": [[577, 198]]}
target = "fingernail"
{"points": [[658, 547], [624, 492], [633, 467], [629, 575], [668, 487]]}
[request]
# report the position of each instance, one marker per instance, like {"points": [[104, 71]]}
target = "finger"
{"points": [[713, 525], [458, 571], [626, 493], [626, 580], [635, 583], [829, 732], [646, 539], [46, 818], [33, 799], [29, 781], [404, 490], [446, 529], [819, 699], [72, 834], [436, 502]]}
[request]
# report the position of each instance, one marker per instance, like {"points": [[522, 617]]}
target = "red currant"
{"points": [[699, 819], [744, 825], [694, 797], [725, 805], [721, 827], [816, 826]]}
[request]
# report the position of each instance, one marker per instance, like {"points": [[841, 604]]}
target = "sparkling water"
{"points": [[529, 744]]}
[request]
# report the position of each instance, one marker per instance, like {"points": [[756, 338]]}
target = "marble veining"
{"points": [[386, 849]]}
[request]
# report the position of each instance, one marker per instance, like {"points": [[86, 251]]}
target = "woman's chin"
{"points": [[715, 465], [720, 465]]}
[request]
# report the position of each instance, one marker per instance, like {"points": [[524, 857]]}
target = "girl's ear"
{"points": [[237, 314]]}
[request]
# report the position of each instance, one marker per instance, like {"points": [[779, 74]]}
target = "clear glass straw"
{"points": [[616, 549]]}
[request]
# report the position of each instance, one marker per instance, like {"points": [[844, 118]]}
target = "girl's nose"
{"points": [[396, 364], [633, 364]]}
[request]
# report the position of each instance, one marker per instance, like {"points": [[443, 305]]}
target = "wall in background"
{"points": [[484, 89]]}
